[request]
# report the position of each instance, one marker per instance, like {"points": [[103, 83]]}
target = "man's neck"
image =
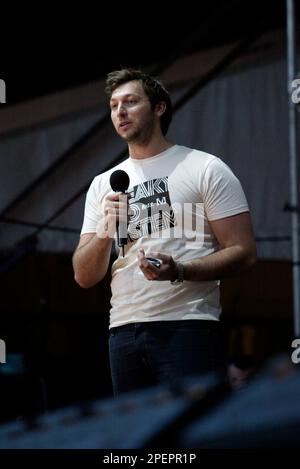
{"points": [[147, 150]]}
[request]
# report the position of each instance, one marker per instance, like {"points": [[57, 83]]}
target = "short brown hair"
{"points": [[153, 88]]}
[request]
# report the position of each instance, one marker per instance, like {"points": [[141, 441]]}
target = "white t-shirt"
{"points": [[173, 195]]}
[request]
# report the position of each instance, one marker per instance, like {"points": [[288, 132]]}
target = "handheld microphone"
{"points": [[119, 181]]}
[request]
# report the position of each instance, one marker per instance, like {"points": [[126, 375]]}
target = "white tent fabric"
{"points": [[241, 117]]}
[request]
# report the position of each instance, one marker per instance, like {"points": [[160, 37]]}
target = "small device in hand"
{"points": [[154, 261]]}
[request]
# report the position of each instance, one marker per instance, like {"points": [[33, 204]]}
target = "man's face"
{"points": [[131, 112], [237, 377]]}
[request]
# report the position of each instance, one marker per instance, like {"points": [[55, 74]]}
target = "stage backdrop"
{"points": [[241, 116]]}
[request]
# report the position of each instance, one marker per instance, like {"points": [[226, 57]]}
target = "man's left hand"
{"points": [[166, 271]]}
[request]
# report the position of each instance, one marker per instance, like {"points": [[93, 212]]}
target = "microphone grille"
{"points": [[119, 181]]}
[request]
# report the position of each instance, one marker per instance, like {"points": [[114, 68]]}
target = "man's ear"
{"points": [[160, 108]]}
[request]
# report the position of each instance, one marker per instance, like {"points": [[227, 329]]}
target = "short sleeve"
{"points": [[223, 194], [92, 211]]}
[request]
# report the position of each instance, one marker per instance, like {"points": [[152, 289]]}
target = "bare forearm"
{"points": [[91, 261], [220, 264]]}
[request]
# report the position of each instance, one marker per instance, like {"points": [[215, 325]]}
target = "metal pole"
{"points": [[290, 11]]}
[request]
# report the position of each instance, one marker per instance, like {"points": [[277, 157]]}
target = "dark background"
{"points": [[50, 50]]}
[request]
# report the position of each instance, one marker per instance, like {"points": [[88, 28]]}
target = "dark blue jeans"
{"points": [[162, 352]]}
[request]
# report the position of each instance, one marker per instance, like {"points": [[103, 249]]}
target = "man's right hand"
{"points": [[116, 211]]}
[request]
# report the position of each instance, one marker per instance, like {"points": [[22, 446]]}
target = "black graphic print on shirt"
{"points": [[151, 208]]}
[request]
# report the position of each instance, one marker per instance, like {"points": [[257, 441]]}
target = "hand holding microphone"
{"points": [[119, 181]]}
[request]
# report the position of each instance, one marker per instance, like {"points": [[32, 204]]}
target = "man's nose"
{"points": [[121, 110]]}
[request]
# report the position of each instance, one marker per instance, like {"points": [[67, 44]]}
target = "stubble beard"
{"points": [[142, 134]]}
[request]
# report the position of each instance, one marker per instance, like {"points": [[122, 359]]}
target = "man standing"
{"points": [[187, 209]]}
